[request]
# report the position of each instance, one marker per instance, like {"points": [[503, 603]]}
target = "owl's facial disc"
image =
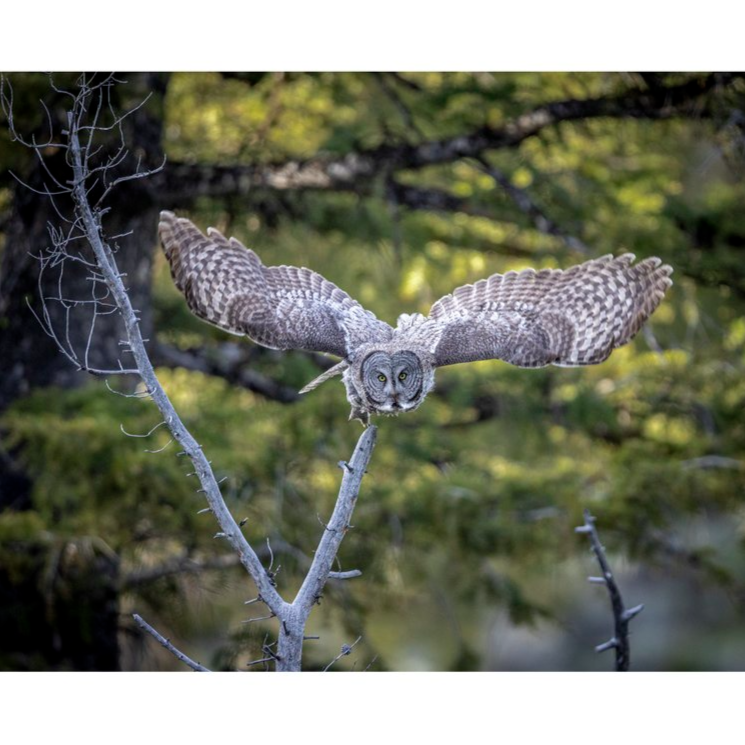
{"points": [[392, 382]]}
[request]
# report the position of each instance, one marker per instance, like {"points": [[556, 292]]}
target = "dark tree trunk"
{"points": [[29, 358], [69, 620]]}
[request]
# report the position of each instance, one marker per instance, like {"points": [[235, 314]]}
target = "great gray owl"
{"points": [[527, 318]]}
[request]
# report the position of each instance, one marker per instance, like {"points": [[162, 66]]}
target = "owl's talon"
{"points": [[361, 416]]}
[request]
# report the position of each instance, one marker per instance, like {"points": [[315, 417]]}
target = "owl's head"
{"points": [[394, 382]]}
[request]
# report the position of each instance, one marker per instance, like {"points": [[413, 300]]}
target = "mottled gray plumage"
{"points": [[528, 318]]}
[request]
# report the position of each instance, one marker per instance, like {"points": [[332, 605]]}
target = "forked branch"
{"points": [[84, 228]]}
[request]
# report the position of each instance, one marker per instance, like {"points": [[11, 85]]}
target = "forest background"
{"points": [[397, 187]]}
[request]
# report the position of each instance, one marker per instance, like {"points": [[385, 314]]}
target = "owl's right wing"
{"points": [[281, 307], [531, 319]]}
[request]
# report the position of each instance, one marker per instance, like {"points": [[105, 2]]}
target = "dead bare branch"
{"points": [[621, 615], [167, 644], [108, 294], [346, 650]]}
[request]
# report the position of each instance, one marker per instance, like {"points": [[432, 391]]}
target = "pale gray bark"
{"points": [[291, 630]]}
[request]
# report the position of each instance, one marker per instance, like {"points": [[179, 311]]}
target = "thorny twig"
{"points": [[621, 616]]}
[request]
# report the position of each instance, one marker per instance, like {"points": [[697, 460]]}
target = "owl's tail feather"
{"points": [[332, 372]]}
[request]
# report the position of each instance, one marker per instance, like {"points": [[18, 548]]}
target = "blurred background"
{"points": [[398, 187]]}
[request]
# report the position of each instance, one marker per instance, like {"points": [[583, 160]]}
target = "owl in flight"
{"points": [[571, 317]]}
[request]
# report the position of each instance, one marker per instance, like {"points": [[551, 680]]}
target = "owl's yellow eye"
{"points": [[382, 378], [402, 376]]}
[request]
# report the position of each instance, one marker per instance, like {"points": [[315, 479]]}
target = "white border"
{"points": [[388, 34], [405, 707]]}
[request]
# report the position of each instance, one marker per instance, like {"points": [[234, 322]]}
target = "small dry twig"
{"points": [[346, 650], [173, 650]]}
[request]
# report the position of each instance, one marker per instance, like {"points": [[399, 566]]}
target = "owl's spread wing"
{"points": [[281, 307], [531, 319]]}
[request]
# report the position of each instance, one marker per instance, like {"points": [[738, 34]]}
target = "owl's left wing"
{"points": [[531, 319], [281, 307]]}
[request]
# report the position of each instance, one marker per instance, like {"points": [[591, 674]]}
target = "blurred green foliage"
{"points": [[470, 504]]}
